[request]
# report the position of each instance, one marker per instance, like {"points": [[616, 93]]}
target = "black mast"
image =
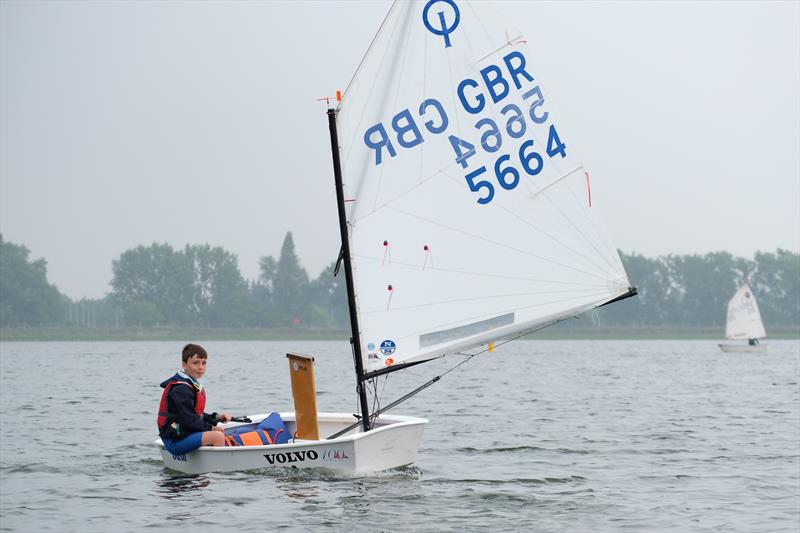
{"points": [[355, 339]]}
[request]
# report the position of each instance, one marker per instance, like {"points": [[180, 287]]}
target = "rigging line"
{"points": [[501, 205], [415, 266], [581, 233], [556, 165], [488, 35], [568, 220], [385, 381], [508, 23], [558, 179], [411, 189], [424, 92], [522, 334], [376, 404], [383, 410], [474, 299], [599, 230], [507, 44], [578, 231], [369, 48], [490, 241], [371, 91], [466, 35], [561, 243], [400, 58], [452, 94], [401, 24], [433, 380]]}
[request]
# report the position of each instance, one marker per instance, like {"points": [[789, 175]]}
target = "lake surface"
{"points": [[537, 436]]}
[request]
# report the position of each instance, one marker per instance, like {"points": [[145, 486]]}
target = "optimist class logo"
{"points": [[443, 30]]}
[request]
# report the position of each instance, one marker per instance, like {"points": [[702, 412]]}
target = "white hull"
{"points": [[392, 443], [744, 348]]}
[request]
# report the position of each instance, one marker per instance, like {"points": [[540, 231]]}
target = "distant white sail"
{"points": [[470, 216], [744, 318]]}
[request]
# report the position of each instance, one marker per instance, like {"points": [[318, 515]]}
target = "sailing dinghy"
{"points": [[744, 322], [466, 218]]}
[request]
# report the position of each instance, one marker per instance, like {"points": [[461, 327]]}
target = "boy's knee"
{"points": [[214, 438]]}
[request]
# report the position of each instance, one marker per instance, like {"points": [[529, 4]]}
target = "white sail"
{"points": [[744, 318], [470, 216]]}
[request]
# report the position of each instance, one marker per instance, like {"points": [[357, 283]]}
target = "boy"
{"points": [[182, 424]]}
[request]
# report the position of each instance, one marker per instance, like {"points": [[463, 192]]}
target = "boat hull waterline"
{"points": [[744, 348], [392, 443]]}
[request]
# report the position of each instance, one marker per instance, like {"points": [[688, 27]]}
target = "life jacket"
{"points": [[271, 430], [259, 437], [199, 400]]}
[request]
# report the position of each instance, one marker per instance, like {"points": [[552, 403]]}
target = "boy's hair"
{"points": [[193, 349]]}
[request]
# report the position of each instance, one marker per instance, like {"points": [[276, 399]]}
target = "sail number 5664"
{"points": [[506, 174]]}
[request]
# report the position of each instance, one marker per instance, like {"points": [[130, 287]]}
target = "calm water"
{"points": [[539, 436]]}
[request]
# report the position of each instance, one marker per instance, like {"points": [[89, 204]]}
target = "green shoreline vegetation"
{"points": [[66, 334], [161, 293]]}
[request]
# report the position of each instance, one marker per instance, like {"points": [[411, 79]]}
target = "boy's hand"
{"points": [[224, 417]]}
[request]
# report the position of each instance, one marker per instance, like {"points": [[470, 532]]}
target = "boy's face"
{"points": [[195, 366]]}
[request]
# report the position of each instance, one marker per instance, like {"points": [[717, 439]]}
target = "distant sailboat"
{"points": [[744, 322]]}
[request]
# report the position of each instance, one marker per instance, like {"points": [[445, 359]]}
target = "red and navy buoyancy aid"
{"points": [[199, 400]]}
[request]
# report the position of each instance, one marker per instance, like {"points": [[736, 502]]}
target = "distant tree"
{"points": [[706, 283], [267, 268], [95, 313], [159, 275], [290, 285], [197, 286], [776, 284], [328, 294], [219, 295], [26, 298], [142, 314]]}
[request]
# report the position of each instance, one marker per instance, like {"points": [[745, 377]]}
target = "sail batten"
{"points": [[481, 338], [471, 220]]}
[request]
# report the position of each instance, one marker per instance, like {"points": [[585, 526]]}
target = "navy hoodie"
{"points": [[180, 408]]}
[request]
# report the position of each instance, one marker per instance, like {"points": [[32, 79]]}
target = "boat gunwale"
{"points": [[394, 421]]}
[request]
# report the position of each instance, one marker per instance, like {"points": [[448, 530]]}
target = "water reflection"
{"points": [[173, 486]]}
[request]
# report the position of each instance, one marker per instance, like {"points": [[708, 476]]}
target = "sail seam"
{"points": [[402, 61], [479, 298], [358, 123], [583, 234], [500, 205], [490, 241], [547, 234], [416, 266], [369, 49]]}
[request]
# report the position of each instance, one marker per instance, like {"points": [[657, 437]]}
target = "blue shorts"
{"points": [[180, 447]]}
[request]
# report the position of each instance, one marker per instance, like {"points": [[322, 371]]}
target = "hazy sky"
{"points": [[127, 123]]}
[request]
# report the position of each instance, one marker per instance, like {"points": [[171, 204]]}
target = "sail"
{"points": [[470, 216], [744, 318]]}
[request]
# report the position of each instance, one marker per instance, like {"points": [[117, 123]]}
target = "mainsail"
{"points": [[744, 318], [470, 216]]}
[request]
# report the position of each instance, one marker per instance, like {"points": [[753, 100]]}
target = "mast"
{"points": [[355, 339]]}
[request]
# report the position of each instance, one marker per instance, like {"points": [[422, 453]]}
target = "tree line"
{"points": [[201, 286]]}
